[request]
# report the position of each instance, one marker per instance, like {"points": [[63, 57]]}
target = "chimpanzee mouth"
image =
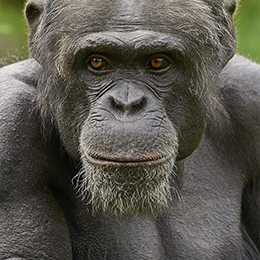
{"points": [[127, 162]]}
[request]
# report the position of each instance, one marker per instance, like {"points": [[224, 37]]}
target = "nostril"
{"points": [[127, 106], [116, 104], [138, 105]]}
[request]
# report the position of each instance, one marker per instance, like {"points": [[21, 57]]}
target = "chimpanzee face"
{"points": [[127, 88]]}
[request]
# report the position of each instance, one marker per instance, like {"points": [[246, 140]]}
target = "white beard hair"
{"points": [[126, 190]]}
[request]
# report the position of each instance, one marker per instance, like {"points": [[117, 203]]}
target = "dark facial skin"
{"points": [[130, 80], [127, 136]]}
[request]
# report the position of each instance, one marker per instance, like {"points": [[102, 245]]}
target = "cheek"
{"points": [[95, 84], [189, 117], [70, 116]]}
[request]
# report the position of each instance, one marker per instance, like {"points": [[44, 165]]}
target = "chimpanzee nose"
{"points": [[127, 99]]}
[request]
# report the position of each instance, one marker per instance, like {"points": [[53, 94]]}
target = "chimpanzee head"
{"points": [[128, 87]]}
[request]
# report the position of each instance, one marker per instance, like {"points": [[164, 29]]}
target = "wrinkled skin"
{"points": [[132, 133]]}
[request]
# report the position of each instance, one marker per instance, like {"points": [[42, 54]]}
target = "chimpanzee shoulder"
{"points": [[17, 93], [20, 129], [241, 92], [17, 98], [242, 88], [27, 161], [20, 72]]}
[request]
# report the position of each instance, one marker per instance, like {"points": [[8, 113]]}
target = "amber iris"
{"points": [[98, 64], [159, 63]]}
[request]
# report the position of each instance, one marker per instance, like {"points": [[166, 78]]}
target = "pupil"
{"points": [[96, 62], [157, 62]]}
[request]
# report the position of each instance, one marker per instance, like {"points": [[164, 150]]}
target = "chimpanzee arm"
{"points": [[32, 225], [242, 98]]}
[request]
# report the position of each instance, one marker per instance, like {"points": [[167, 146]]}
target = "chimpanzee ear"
{"points": [[33, 11], [230, 6], [230, 44], [222, 12]]}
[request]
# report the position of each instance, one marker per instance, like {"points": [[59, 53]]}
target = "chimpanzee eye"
{"points": [[98, 63], [158, 63]]}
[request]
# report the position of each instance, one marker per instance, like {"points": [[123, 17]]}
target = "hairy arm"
{"points": [[32, 225]]}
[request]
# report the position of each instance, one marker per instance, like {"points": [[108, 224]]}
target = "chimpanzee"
{"points": [[132, 133]]}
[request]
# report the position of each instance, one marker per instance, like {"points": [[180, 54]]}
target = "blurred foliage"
{"points": [[247, 23], [13, 29]]}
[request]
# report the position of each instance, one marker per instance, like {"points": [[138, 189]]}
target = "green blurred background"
{"points": [[13, 30]]}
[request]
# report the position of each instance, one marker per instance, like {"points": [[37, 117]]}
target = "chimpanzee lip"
{"points": [[127, 162]]}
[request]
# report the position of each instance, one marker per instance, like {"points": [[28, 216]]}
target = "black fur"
{"points": [[132, 133]]}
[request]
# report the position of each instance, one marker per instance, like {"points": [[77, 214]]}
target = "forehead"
{"points": [[129, 15]]}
